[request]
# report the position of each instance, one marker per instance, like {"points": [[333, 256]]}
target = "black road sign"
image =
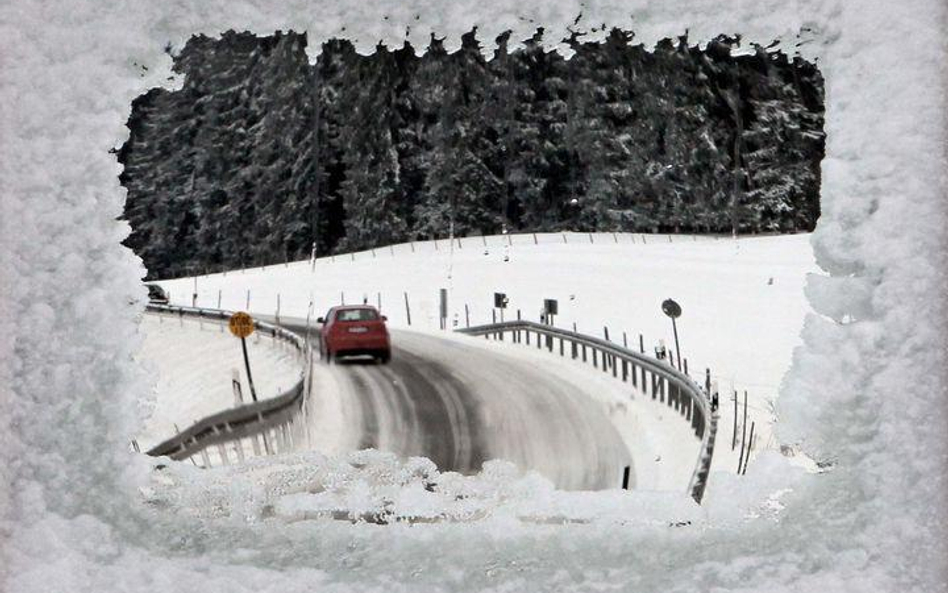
{"points": [[500, 300], [550, 307]]}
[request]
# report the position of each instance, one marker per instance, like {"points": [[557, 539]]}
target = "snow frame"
{"points": [[874, 522]]}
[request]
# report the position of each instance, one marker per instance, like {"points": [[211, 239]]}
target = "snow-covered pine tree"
{"points": [[371, 189]]}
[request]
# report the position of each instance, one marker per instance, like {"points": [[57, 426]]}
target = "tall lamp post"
{"points": [[673, 310]]}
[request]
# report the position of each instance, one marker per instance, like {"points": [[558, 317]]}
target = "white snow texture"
{"points": [[866, 390]]}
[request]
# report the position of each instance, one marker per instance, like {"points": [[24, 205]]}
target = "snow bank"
{"points": [[195, 361], [868, 393]]}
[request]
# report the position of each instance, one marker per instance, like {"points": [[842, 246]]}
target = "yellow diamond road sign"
{"points": [[241, 324]]}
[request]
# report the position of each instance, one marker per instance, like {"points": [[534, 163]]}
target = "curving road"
{"points": [[460, 402]]}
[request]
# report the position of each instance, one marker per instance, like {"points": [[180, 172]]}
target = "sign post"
{"points": [[673, 310], [241, 325]]}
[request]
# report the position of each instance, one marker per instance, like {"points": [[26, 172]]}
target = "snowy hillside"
{"points": [[743, 300], [195, 361]]}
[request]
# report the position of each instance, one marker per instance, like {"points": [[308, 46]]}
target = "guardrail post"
{"points": [[673, 395], [573, 349], [584, 352], [595, 358], [223, 454], [255, 443], [561, 345], [625, 370]]}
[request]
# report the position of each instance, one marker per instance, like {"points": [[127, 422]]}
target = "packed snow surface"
{"points": [[571, 423], [865, 390]]}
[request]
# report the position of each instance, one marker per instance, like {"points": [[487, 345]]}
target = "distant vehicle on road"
{"points": [[356, 330], [157, 294]]}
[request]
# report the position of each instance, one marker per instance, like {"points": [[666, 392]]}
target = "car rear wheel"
{"points": [[384, 357]]}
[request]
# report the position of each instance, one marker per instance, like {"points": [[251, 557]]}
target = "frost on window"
{"points": [[452, 180]]}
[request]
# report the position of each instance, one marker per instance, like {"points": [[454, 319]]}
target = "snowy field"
{"points": [[743, 302], [194, 362]]}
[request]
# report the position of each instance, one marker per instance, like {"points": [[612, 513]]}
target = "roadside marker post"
{"points": [[443, 308], [750, 445], [235, 386]]}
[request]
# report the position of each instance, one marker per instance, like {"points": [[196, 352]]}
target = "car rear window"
{"points": [[357, 315]]}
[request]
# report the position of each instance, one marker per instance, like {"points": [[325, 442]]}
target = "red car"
{"points": [[356, 330]]}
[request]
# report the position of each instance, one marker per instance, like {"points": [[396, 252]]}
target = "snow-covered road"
{"points": [[460, 402]]}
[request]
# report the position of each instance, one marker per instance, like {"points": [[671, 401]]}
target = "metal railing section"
{"points": [[265, 427], [651, 376]]}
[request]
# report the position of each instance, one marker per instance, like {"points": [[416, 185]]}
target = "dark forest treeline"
{"points": [[238, 168]]}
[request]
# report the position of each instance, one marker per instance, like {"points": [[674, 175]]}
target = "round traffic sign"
{"points": [[671, 308], [241, 324]]}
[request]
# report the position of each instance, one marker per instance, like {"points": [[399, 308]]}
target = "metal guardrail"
{"points": [[268, 424], [653, 377]]}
